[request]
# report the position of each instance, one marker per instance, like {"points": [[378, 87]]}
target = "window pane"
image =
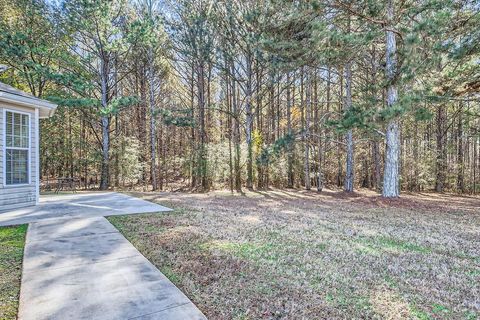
{"points": [[16, 141], [17, 136], [9, 140], [17, 166], [16, 129], [9, 117], [17, 133], [24, 137]]}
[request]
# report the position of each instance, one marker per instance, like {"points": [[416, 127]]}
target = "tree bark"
{"points": [[259, 123], [350, 171], [392, 152], [193, 174], [290, 173], [441, 149], [341, 106], [229, 125], [153, 133], [377, 177], [249, 122], [308, 105], [236, 135], [105, 124], [460, 165], [202, 154], [321, 148]]}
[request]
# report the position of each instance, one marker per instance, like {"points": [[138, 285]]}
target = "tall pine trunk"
{"points": [[392, 136], [153, 135], [229, 126], [105, 123], [193, 181], [460, 152], [202, 155], [441, 149], [236, 134], [290, 173], [308, 104], [321, 148], [249, 122], [377, 178], [350, 171]]}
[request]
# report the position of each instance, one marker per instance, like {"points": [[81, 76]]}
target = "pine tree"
{"points": [[98, 28]]}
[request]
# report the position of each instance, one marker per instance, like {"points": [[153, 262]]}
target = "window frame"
{"points": [[29, 151]]}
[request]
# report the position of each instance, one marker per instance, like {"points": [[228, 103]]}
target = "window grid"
{"points": [[17, 148]]}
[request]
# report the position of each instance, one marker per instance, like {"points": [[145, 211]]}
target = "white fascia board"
{"points": [[46, 108]]}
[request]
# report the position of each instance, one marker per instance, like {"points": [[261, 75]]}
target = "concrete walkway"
{"points": [[82, 268], [79, 205]]}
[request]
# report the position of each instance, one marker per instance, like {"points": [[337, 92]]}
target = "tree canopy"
{"points": [[202, 94]]}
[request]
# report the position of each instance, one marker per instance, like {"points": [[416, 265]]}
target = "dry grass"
{"points": [[12, 241], [302, 255]]}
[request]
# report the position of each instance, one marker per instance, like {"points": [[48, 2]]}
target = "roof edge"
{"points": [[46, 108]]}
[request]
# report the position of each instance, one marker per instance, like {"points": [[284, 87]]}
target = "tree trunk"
{"points": [[321, 148], [193, 174], [392, 152], [290, 173], [377, 178], [142, 124], [416, 170], [341, 106], [249, 123], [350, 171], [258, 98], [105, 123], [441, 149], [475, 159], [229, 124], [153, 135], [460, 168], [236, 135], [308, 103], [202, 154]]}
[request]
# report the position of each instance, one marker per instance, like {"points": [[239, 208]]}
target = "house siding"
{"points": [[24, 195]]}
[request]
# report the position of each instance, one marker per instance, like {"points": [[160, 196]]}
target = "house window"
{"points": [[17, 141]]}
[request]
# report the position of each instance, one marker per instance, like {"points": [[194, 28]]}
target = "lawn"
{"points": [[12, 241], [303, 255]]}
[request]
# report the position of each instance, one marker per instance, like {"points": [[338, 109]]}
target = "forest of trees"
{"points": [[205, 94]]}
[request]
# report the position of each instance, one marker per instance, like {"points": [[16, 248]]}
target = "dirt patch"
{"points": [[302, 255]]}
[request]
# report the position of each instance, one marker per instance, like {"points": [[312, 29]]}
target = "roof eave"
{"points": [[46, 108]]}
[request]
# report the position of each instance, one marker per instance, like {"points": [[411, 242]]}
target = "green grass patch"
{"points": [[402, 245], [474, 273], [171, 275], [470, 315], [367, 250], [12, 242], [391, 282], [439, 309], [138, 222], [395, 244], [420, 314]]}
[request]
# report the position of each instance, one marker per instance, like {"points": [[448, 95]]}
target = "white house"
{"points": [[19, 146]]}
